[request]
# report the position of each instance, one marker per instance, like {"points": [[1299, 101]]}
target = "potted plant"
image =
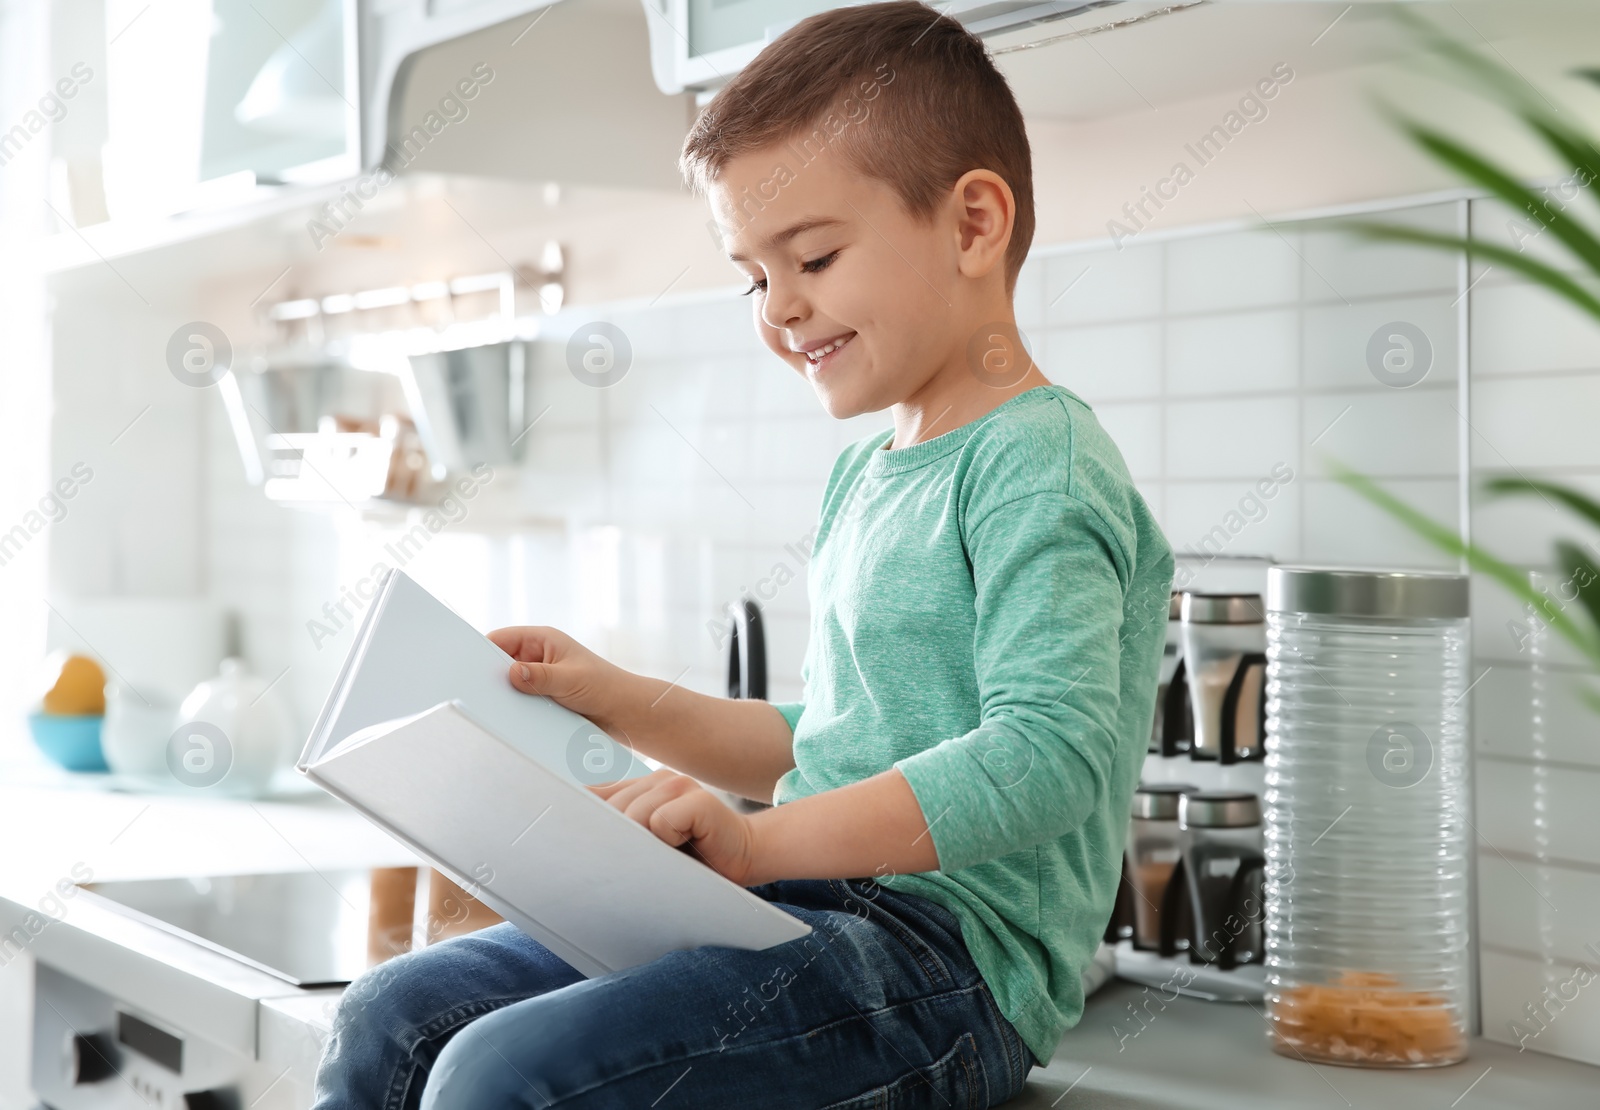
{"points": [[1566, 603]]}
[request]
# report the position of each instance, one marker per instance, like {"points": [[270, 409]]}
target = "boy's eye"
{"points": [[817, 265]]}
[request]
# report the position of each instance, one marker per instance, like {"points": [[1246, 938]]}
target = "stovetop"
{"points": [[308, 928]]}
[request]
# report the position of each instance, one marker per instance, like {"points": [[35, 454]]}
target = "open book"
{"points": [[487, 784], [412, 652]]}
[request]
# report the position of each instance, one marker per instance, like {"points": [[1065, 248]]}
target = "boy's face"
{"points": [[834, 258]]}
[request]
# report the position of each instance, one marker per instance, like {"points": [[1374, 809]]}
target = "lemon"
{"points": [[79, 689]]}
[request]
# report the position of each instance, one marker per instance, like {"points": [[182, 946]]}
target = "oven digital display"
{"points": [[147, 1040]]}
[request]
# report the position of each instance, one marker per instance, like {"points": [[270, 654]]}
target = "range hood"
{"points": [[393, 34], [694, 45]]}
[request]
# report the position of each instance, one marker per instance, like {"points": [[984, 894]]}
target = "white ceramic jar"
{"points": [[233, 734]]}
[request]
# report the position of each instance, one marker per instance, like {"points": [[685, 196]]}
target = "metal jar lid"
{"points": [[1218, 810], [1158, 801], [1355, 592], [1222, 609]]}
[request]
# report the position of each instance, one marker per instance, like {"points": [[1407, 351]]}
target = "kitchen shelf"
{"points": [[74, 248], [487, 515]]}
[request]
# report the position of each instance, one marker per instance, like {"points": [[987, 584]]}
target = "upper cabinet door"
{"points": [[699, 44]]}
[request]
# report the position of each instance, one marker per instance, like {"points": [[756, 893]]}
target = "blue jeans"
{"points": [[880, 1006]]}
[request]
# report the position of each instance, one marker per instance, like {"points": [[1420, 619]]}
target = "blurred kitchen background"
{"points": [[528, 299]]}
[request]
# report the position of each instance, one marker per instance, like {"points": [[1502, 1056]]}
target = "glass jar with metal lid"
{"points": [[1223, 640], [1152, 855], [1172, 731], [1366, 816], [1220, 834]]}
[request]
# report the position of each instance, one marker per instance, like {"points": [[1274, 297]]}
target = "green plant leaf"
{"points": [[1475, 168], [1584, 506], [1556, 281], [1584, 577], [1589, 695], [1577, 148], [1513, 579]]}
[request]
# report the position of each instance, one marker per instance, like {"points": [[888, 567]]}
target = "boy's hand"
{"points": [[682, 812], [551, 663], [740, 745]]}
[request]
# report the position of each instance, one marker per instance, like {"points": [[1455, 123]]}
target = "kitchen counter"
{"points": [[1197, 1055], [53, 822], [1191, 1055]]}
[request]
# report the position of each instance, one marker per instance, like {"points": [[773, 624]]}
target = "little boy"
{"points": [[989, 601]]}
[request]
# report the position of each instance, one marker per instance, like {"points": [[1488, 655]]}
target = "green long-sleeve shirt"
{"points": [[988, 614]]}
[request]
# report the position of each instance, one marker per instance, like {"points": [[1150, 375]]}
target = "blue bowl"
{"points": [[71, 742]]}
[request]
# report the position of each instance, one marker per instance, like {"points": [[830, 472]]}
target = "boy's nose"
{"points": [[781, 308]]}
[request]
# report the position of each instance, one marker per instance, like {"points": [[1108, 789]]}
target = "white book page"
{"points": [[413, 652]]}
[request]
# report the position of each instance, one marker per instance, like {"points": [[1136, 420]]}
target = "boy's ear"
{"points": [[985, 211]]}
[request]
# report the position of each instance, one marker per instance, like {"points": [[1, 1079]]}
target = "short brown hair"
{"points": [[934, 106]]}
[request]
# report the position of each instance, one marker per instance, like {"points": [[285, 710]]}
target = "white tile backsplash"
{"points": [[1517, 327], [1539, 811], [1523, 712], [1250, 269], [1520, 423], [1409, 432], [1525, 527], [792, 449], [1494, 223], [1338, 338], [1509, 984], [1541, 910], [1136, 428], [564, 398], [1241, 438], [1105, 362], [1337, 260], [779, 390], [1342, 527], [1028, 296], [1234, 518], [1502, 625], [1243, 352], [1082, 287]]}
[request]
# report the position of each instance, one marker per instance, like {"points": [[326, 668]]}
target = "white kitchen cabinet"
{"points": [[700, 44]]}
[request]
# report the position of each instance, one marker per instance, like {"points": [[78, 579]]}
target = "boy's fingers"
{"points": [[672, 825], [521, 642], [536, 678], [508, 640], [624, 794]]}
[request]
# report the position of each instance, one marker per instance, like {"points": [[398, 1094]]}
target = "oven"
{"points": [[212, 993]]}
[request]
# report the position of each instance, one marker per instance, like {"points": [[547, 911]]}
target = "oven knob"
{"points": [[91, 1058]]}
